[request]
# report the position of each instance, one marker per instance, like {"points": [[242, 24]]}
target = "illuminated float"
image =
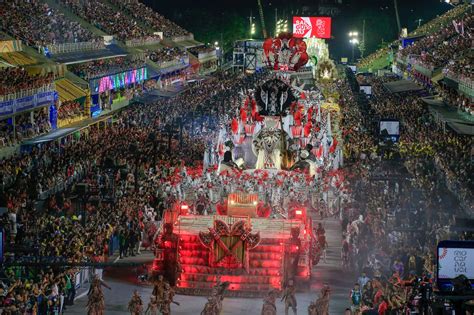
{"points": [[275, 160]]}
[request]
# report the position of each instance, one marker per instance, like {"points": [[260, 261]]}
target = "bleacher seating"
{"points": [[37, 24], [152, 19], [100, 68], [13, 80]]}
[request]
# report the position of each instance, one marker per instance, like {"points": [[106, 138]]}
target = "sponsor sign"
{"points": [[307, 27]]}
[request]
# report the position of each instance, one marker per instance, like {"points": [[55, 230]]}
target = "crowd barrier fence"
{"points": [[28, 92], [142, 42], [75, 47]]}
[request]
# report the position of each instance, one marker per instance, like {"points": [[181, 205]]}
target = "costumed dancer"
{"points": [[96, 304], [211, 307], [159, 288], [152, 308], [214, 302], [227, 163], [165, 302], [135, 306], [321, 305], [269, 307], [289, 296]]}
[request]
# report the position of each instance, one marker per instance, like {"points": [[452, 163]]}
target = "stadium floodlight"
{"points": [[354, 40]]}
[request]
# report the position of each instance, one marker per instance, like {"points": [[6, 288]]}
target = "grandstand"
{"points": [[121, 143], [90, 56], [436, 55], [383, 57]]}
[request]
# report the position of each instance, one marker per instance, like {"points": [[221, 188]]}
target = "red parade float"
{"points": [[246, 242], [241, 244]]}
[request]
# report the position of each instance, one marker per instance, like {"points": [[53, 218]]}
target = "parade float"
{"points": [[245, 217]]}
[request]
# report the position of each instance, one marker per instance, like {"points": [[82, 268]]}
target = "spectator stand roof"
{"points": [[188, 43], [85, 56], [461, 122], [52, 136], [401, 86], [61, 133], [68, 91], [17, 58]]}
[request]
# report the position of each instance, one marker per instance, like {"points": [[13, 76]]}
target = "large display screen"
{"points": [[307, 27], [119, 80], [453, 262], [454, 258], [392, 127], [1, 244], [367, 89]]}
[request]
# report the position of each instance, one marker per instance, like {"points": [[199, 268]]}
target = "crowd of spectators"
{"points": [[454, 98], [152, 19], [70, 109], [429, 29], [437, 49], [37, 24], [165, 54], [105, 17], [61, 232], [391, 225], [13, 80], [421, 136], [436, 24], [29, 127], [99, 68], [461, 67], [201, 49], [25, 127]]}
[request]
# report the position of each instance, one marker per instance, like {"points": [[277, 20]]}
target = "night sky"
{"points": [[212, 20]]}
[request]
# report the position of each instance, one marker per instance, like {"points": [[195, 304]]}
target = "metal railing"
{"points": [[142, 42], [26, 93], [183, 38], [172, 63], [74, 47]]}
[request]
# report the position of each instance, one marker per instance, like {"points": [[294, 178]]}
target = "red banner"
{"points": [[307, 27]]}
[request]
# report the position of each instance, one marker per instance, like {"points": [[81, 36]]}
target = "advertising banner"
{"points": [[44, 98], [6, 108], [455, 261], [307, 27], [119, 80], [26, 103]]}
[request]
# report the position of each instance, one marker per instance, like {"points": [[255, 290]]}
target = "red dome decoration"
{"points": [[285, 53]]}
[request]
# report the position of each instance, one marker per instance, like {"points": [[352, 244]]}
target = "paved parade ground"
{"points": [[124, 280]]}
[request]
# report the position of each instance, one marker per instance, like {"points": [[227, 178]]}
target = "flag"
{"points": [[307, 128], [459, 27], [243, 114], [310, 112], [297, 118], [234, 126], [332, 149], [319, 153], [328, 125]]}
